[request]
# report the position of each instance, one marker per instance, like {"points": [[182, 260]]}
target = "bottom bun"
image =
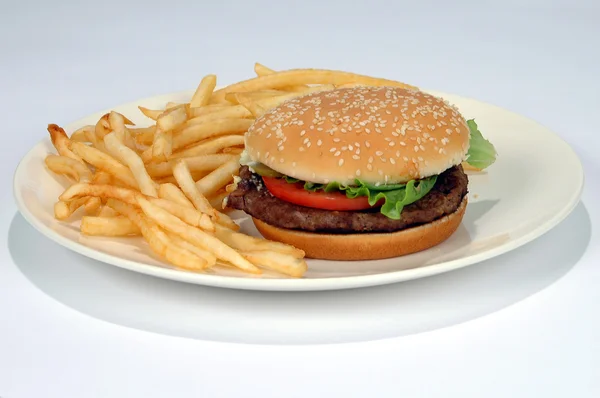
{"points": [[367, 246]]}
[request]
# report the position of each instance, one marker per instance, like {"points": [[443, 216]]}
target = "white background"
{"points": [[65, 59]]}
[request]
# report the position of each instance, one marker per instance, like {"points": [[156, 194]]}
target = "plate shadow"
{"points": [[148, 303]]}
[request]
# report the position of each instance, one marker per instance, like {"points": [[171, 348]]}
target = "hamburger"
{"points": [[359, 173]]}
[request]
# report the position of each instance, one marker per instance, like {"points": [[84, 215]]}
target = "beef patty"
{"points": [[253, 197]]}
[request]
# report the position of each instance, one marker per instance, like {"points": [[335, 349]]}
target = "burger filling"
{"points": [[287, 202], [253, 196]]}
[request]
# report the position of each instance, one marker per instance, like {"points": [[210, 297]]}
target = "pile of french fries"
{"points": [[166, 182]]}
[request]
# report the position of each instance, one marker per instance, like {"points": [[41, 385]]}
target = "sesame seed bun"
{"points": [[367, 246], [376, 134]]}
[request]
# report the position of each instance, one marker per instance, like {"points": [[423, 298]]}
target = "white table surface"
{"points": [[69, 59]]}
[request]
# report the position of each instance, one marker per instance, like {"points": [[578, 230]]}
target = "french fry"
{"points": [[195, 164], [61, 142], [150, 113], [143, 136], [133, 161], [173, 193], [219, 177], [108, 226], [158, 240], [203, 93], [262, 70], [63, 209], [162, 146], [80, 190], [278, 262], [231, 112], [249, 243], [70, 167], [102, 127], [296, 77], [92, 206], [191, 216], [255, 109], [207, 256], [182, 174], [237, 98], [170, 105], [232, 150], [210, 146], [107, 211], [82, 134], [215, 128], [195, 236], [103, 161], [117, 124], [172, 118], [208, 109]]}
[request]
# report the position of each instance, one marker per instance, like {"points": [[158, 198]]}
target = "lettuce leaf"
{"points": [[394, 196], [481, 152]]}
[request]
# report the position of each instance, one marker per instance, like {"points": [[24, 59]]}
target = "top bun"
{"points": [[380, 135]]}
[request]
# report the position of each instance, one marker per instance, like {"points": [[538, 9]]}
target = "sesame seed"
{"points": [[369, 166], [338, 153], [302, 133], [319, 142], [355, 157], [332, 150], [341, 162], [378, 153], [358, 172], [392, 161], [392, 143]]}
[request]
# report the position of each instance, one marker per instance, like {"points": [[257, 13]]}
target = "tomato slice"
{"points": [[295, 193]]}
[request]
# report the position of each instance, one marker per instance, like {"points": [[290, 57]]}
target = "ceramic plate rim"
{"points": [[285, 284]]}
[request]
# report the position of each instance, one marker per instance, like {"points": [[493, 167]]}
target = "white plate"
{"points": [[535, 183]]}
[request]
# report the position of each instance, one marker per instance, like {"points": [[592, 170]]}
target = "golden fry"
{"points": [[296, 77], [83, 134], [150, 113], [195, 236], [105, 162], [102, 191], [182, 174], [191, 216], [203, 93], [63, 209], [195, 164], [278, 262], [215, 128], [108, 226], [158, 241], [219, 177], [70, 167], [174, 194], [61, 142], [210, 146], [133, 161]]}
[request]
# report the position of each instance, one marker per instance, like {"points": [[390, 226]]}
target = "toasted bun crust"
{"points": [[377, 134], [367, 246]]}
